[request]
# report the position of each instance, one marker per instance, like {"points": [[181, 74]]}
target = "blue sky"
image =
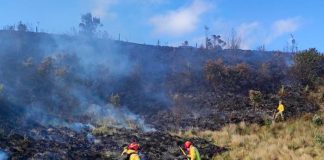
{"points": [[256, 22]]}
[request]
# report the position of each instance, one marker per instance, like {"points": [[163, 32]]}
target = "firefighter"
{"points": [[280, 109], [193, 153], [132, 151]]}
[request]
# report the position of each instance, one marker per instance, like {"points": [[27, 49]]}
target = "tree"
{"points": [[209, 44], [234, 41], [207, 39], [9, 27], [294, 47], [89, 24], [21, 27], [185, 44], [308, 67], [261, 48], [218, 43]]}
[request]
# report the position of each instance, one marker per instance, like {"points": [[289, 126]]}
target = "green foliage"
{"points": [[267, 120], [317, 120], [319, 139], [308, 67]]}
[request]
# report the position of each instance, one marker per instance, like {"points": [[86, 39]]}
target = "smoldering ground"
{"points": [[54, 78], [54, 89]]}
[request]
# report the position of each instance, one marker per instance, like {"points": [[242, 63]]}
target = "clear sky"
{"points": [[257, 22]]}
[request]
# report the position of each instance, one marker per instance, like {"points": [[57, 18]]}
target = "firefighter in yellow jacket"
{"points": [[132, 151], [193, 153], [280, 109]]}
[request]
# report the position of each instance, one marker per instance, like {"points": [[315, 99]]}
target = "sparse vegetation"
{"points": [[168, 88], [104, 130], [294, 139], [297, 138]]}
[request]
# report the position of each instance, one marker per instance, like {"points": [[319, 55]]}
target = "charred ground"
{"points": [[49, 82]]}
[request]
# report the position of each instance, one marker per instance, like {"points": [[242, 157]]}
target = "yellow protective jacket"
{"points": [[281, 108], [194, 153], [133, 155]]}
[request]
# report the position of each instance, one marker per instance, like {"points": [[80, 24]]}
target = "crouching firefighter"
{"points": [[132, 152], [193, 153]]}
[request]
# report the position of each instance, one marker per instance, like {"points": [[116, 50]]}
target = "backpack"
{"points": [[141, 156]]}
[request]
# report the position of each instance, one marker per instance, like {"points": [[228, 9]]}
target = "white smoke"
{"points": [[3, 155], [117, 117]]}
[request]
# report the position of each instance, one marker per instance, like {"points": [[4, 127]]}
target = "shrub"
{"points": [[232, 78], [317, 120], [255, 98], [319, 139], [308, 67]]}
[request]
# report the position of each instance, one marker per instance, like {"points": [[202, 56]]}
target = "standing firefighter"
{"points": [[280, 109], [132, 151], [193, 153]]}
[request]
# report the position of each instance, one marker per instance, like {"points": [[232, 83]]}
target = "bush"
{"points": [[317, 120], [255, 98], [308, 67], [241, 77], [230, 77], [319, 139]]}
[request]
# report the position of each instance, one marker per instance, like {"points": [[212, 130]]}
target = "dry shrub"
{"points": [[255, 98], [104, 130], [308, 67]]}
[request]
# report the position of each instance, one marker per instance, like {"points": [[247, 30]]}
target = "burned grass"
{"points": [[108, 143]]}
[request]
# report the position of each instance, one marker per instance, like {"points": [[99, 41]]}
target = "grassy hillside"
{"points": [[297, 138]]}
